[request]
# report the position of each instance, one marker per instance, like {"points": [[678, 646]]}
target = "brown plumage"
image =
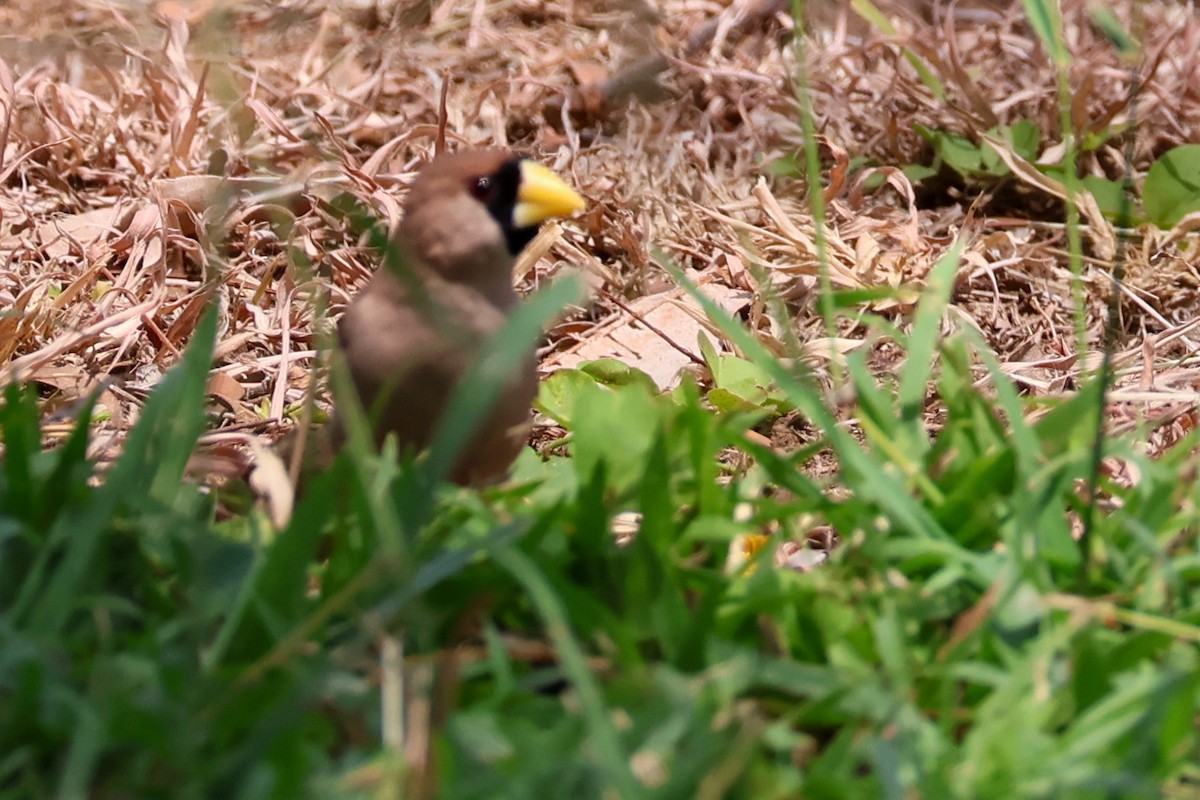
{"points": [[409, 336]]}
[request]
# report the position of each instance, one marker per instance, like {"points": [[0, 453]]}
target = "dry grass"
{"points": [[120, 121]]}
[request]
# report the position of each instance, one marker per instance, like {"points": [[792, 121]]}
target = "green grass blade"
{"points": [[926, 332], [151, 466], [501, 356], [554, 615], [1045, 17], [870, 479]]}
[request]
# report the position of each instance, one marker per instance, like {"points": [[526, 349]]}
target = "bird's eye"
{"points": [[481, 188]]}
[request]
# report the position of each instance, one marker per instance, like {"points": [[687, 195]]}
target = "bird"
{"points": [[447, 285]]}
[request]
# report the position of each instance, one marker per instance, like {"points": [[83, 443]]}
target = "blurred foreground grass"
{"points": [[456, 644]]}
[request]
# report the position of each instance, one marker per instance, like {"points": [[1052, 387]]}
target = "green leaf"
{"points": [[1114, 202], [1025, 138], [742, 385], [918, 172], [558, 394], [956, 151], [612, 372], [786, 167], [1172, 187], [615, 428]]}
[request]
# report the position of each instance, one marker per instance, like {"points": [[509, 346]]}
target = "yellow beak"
{"points": [[542, 195]]}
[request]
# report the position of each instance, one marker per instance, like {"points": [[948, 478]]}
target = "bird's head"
{"points": [[468, 210]]}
